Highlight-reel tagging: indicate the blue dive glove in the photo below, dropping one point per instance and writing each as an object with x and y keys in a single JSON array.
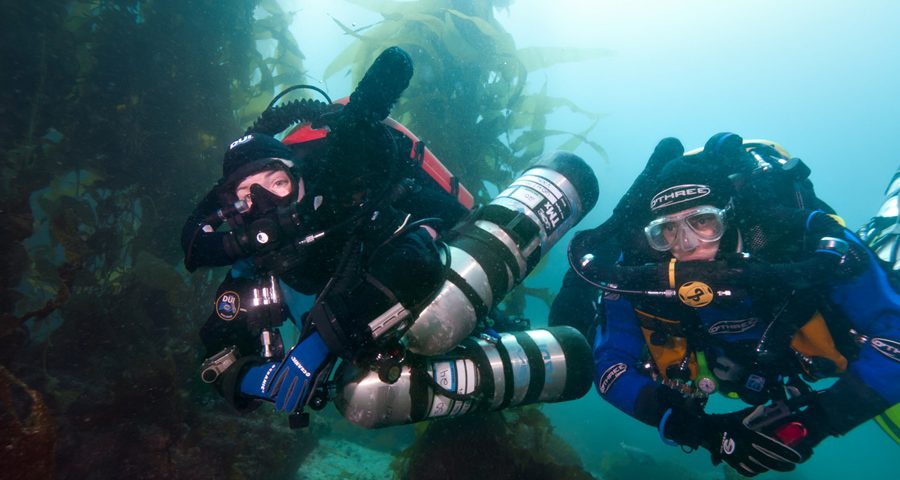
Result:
[{"x": 287, "y": 383}]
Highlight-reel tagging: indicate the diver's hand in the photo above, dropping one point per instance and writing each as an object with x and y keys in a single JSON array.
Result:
[
  {"x": 288, "y": 383},
  {"x": 259, "y": 236},
  {"x": 264, "y": 234},
  {"x": 747, "y": 451}
]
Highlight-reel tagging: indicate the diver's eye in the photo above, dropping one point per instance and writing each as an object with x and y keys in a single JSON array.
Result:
[{"x": 703, "y": 222}]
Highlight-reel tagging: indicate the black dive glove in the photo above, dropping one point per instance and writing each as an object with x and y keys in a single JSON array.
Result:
[
  {"x": 728, "y": 439},
  {"x": 790, "y": 440},
  {"x": 271, "y": 222},
  {"x": 748, "y": 451},
  {"x": 260, "y": 236}
]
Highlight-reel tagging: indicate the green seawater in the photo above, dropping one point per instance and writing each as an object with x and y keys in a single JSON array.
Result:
[
  {"x": 817, "y": 77},
  {"x": 116, "y": 114}
]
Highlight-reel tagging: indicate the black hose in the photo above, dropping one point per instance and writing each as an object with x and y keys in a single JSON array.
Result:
[
  {"x": 297, "y": 87},
  {"x": 277, "y": 119}
]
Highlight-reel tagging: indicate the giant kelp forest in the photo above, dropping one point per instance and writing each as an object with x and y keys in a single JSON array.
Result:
[{"x": 115, "y": 116}]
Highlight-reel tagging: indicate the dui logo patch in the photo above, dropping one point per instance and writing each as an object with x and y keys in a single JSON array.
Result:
[
  {"x": 228, "y": 305},
  {"x": 610, "y": 376},
  {"x": 695, "y": 294}
]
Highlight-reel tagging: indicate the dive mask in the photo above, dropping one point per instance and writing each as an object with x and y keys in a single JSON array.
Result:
[{"x": 688, "y": 228}]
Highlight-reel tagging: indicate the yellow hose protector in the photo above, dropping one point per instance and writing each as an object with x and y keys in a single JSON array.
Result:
[{"x": 672, "y": 273}]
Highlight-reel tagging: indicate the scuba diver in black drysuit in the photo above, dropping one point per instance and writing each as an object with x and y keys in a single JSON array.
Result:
[
  {"x": 349, "y": 250},
  {"x": 340, "y": 209},
  {"x": 721, "y": 271}
]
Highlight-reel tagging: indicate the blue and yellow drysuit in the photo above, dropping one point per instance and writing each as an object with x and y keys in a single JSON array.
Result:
[{"x": 859, "y": 303}]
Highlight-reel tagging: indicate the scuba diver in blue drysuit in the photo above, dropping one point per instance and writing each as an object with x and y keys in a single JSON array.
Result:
[{"x": 721, "y": 271}]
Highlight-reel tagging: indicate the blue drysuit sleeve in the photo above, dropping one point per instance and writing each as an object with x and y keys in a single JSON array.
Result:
[
  {"x": 617, "y": 353},
  {"x": 872, "y": 305}
]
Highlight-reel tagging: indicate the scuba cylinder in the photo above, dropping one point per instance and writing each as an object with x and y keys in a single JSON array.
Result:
[
  {"x": 487, "y": 373},
  {"x": 500, "y": 245},
  {"x": 882, "y": 233}
]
